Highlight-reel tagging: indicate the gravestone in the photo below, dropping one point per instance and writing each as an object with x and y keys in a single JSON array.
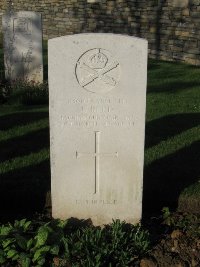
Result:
[
  {"x": 22, "y": 37},
  {"x": 97, "y": 119}
]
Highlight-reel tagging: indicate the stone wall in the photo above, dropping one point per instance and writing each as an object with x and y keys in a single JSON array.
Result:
[{"x": 172, "y": 27}]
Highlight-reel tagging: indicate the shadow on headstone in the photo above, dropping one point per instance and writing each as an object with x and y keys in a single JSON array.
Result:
[{"x": 75, "y": 223}]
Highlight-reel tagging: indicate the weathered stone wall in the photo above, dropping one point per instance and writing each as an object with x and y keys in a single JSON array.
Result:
[{"x": 172, "y": 27}]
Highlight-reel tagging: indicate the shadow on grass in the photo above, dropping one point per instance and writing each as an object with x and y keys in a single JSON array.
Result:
[
  {"x": 20, "y": 118},
  {"x": 24, "y": 145},
  {"x": 23, "y": 191},
  {"x": 171, "y": 76},
  {"x": 45, "y": 59},
  {"x": 172, "y": 86},
  {"x": 163, "y": 128},
  {"x": 167, "y": 177},
  {"x": 170, "y": 66}
]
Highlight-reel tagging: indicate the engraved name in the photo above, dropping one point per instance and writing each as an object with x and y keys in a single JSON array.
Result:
[
  {"x": 95, "y": 112},
  {"x": 97, "y": 101},
  {"x": 97, "y": 120}
]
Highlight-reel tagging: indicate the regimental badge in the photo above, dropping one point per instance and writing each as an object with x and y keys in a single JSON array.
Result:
[{"x": 97, "y": 71}]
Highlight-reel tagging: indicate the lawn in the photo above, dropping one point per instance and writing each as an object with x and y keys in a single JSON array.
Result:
[
  {"x": 172, "y": 150},
  {"x": 172, "y": 147}
]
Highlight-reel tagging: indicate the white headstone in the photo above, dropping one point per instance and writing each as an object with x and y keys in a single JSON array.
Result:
[
  {"x": 22, "y": 33},
  {"x": 97, "y": 120}
]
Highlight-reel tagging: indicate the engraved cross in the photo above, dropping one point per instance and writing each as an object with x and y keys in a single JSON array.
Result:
[{"x": 96, "y": 156}]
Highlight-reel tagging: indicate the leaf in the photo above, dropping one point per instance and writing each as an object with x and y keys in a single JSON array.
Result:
[
  {"x": 5, "y": 230},
  {"x": 12, "y": 253},
  {"x": 65, "y": 243},
  {"x": 29, "y": 244},
  {"x": 7, "y": 242},
  {"x": 25, "y": 260},
  {"x": 42, "y": 236},
  {"x": 54, "y": 250},
  {"x": 41, "y": 251},
  {"x": 2, "y": 259},
  {"x": 41, "y": 262},
  {"x": 166, "y": 212},
  {"x": 21, "y": 241},
  {"x": 22, "y": 222},
  {"x": 16, "y": 224},
  {"x": 15, "y": 257},
  {"x": 26, "y": 225},
  {"x": 62, "y": 223}
]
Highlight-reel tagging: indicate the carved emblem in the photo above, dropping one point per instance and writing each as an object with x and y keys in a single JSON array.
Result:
[{"x": 97, "y": 71}]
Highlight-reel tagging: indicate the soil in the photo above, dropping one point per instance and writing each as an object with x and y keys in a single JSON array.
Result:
[
  {"x": 178, "y": 251},
  {"x": 179, "y": 244}
]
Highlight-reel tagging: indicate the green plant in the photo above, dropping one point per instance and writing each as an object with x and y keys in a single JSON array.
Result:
[
  {"x": 49, "y": 241},
  {"x": 15, "y": 243},
  {"x": 166, "y": 215},
  {"x": 27, "y": 244},
  {"x": 117, "y": 244},
  {"x": 5, "y": 91},
  {"x": 84, "y": 247},
  {"x": 127, "y": 242},
  {"x": 20, "y": 244},
  {"x": 29, "y": 92},
  {"x": 186, "y": 222}
]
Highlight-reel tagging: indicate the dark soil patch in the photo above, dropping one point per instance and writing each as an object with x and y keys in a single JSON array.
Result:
[
  {"x": 176, "y": 250},
  {"x": 176, "y": 241}
]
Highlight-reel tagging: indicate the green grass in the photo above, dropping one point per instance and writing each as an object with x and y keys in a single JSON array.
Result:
[
  {"x": 24, "y": 159},
  {"x": 172, "y": 149}
]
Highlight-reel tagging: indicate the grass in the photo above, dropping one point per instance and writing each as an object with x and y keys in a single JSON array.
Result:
[
  {"x": 24, "y": 159},
  {"x": 172, "y": 149}
]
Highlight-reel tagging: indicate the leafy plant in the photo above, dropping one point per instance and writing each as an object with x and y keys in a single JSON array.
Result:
[
  {"x": 166, "y": 215},
  {"x": 15, "y": 243},
  {"x": 49, "y": 240},
  {"x": 24, "y": 92},
  {"x": 117, "y": 244},
  {"x": 186, "y": 222},
  {"x": 19, "y": 243},
  {"x": 30, "y": 92},
  {"x": 5, "y": 91},
  {"x": 26, "y": 244}
]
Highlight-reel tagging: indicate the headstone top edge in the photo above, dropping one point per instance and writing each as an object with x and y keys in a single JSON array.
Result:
[{"x": 91, "y": 35}]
